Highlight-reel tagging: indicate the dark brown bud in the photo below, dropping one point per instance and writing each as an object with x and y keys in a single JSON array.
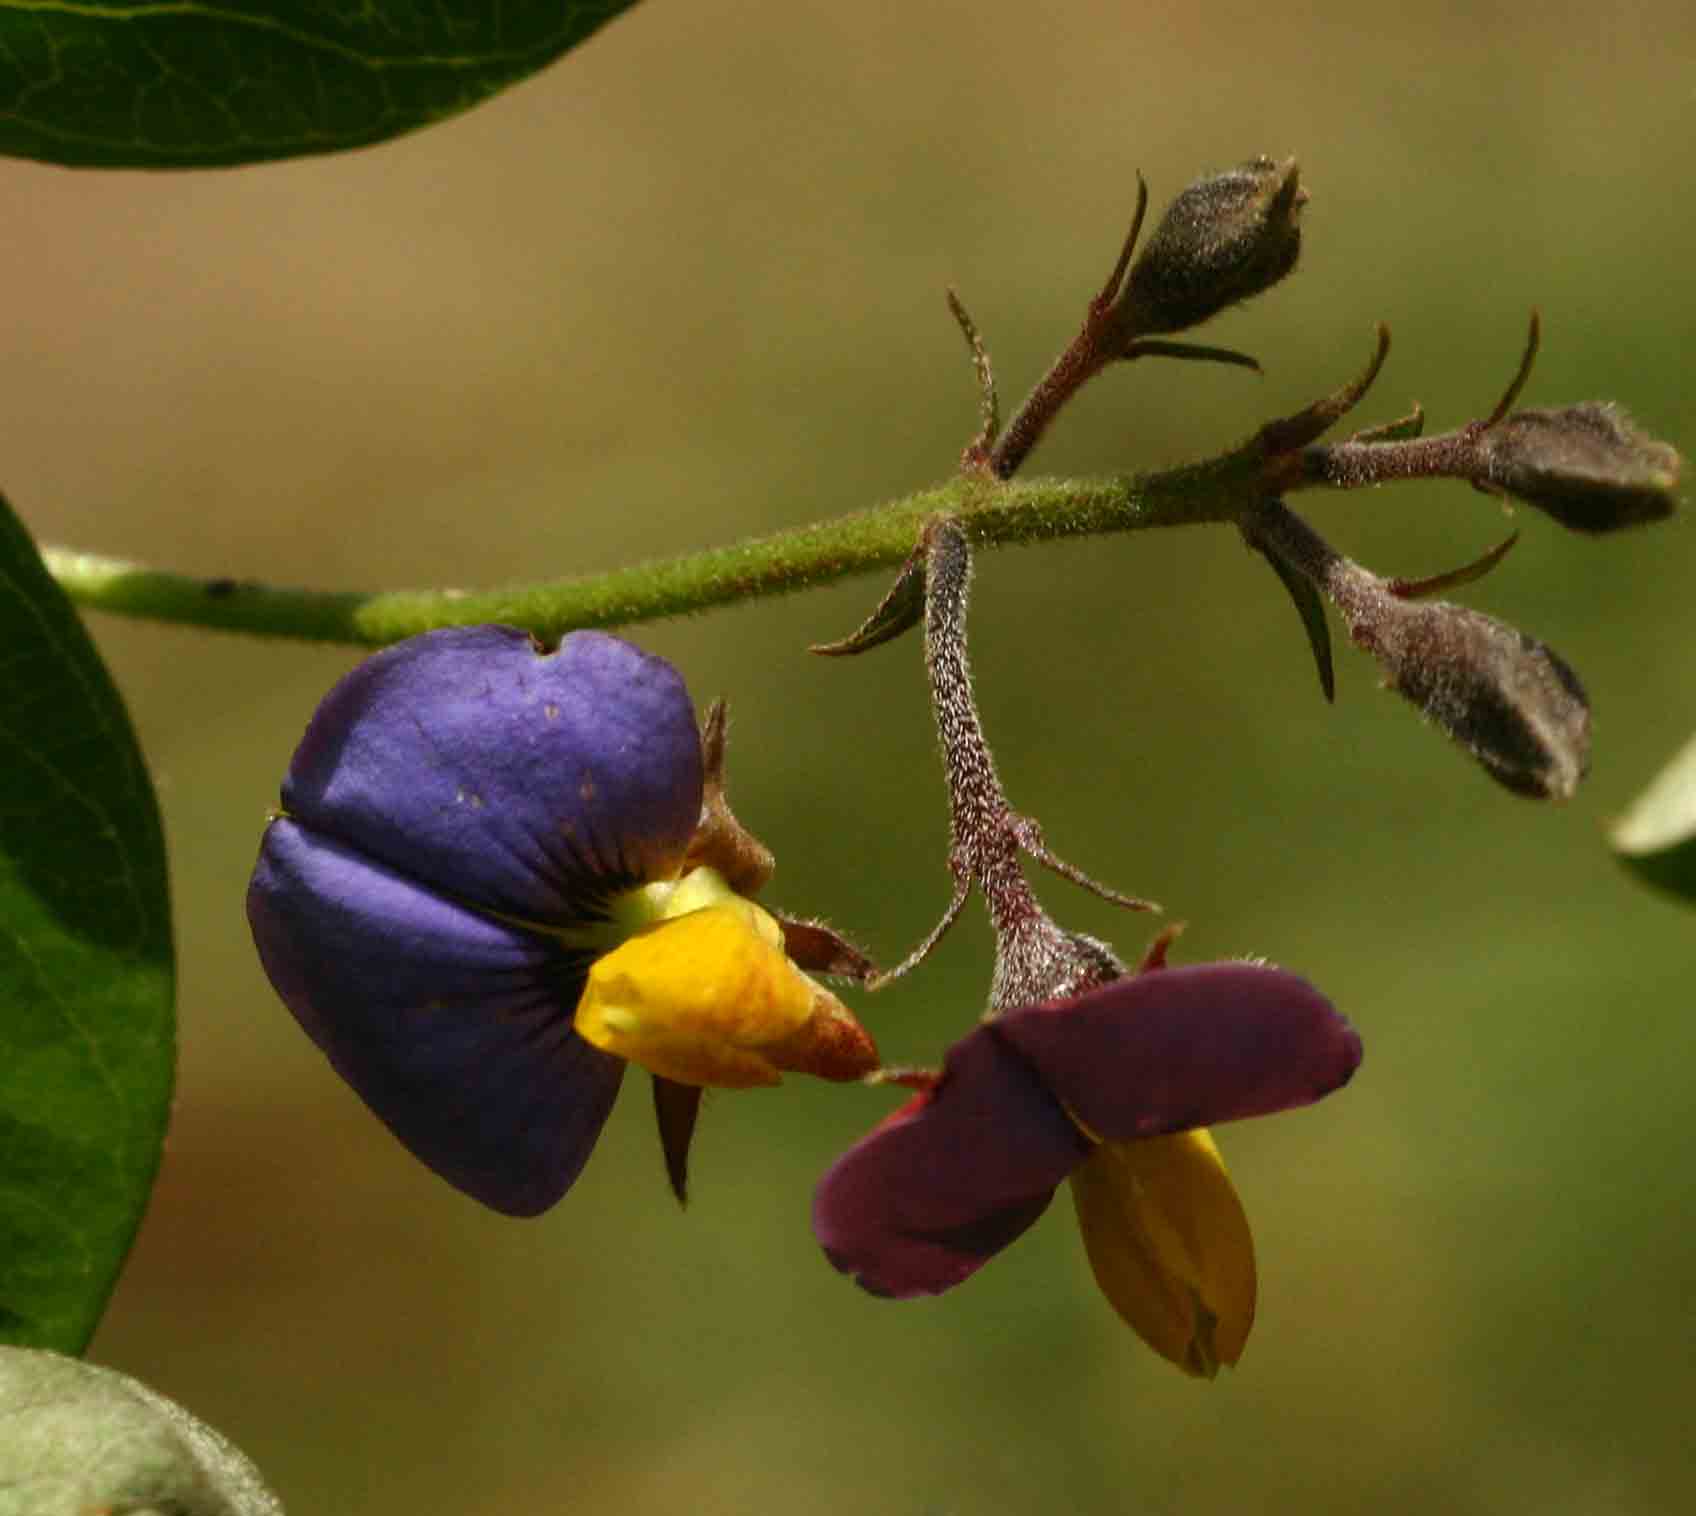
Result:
[
  {"x": 1586, "y": 465},
  {"x": 1224, "y": 239},
  {"x": 1505, "y": 697}
]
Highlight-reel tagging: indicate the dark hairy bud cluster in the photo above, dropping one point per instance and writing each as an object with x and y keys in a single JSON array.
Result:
[
  {"x": 1223, "y": 240},
  {"x": 1503, "y": 696}
]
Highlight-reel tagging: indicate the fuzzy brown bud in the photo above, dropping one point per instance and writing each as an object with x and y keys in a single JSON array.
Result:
[
  {"x": 1586, "y": 465},
  {"x": 1505, "y": 697},
  {"x": 1224, "y": 239}
]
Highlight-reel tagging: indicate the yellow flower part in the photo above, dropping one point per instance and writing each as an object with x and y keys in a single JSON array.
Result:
[
  {"x": 1170, "y": 1245},
  {"x": 711, "y": 998}
]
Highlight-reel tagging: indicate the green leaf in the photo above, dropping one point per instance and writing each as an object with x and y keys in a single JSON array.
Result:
[
  {"x": 179, "y": 84},
  {"x": 1656, "y": 837},
  {"x": 86, "y": 1036},
  {"x": 78, "y": 1437}
]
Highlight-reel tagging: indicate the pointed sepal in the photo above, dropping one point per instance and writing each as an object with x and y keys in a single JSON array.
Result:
[
  {"x": 721, "y": 842},
  {"x": 1311, "y": 608},
  {"x": 676, "y": 1108},
  {"x": 899, "y": 611},
  {"x": 820, "y": 949}
]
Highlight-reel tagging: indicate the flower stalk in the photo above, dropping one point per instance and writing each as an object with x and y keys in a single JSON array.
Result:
[
  {"x": 1035, "y": 959},
  {"x": 1223, "y": 240}
]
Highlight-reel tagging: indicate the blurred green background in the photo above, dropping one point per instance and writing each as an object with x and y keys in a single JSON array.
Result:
[{"x": 688, "y": 285}]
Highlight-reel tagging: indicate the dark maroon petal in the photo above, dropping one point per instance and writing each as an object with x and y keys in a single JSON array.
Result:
[
  {"x": 453, "y": 1027},
  {"x": 918, "y": 1204},
  {"x": 1178, "y": 1048},
  {"x": 526, "y": 782}
]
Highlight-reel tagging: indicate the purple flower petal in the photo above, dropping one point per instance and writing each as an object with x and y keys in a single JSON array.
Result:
[
  {"x": 1179, "y": 1048},
  {"x": 453, "y": 1027},
  {"x": 526, "y": 782},
  {"x": 922, "y": 1201}
]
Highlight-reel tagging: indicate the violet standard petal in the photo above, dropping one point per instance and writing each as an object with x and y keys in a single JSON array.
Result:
[
  {"x": 526, "y": 782},
  {"x": 923, "y": 1200},
  {"x": 1186, "y": 1047},
  {"x": 453, "y": 1027}
]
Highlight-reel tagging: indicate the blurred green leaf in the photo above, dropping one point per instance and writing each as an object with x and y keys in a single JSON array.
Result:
[
  {"x": 1656, "y": 837},
  {"x": 78, "y": 1438},
  {"x": 86, "y": 1037},
  {"x": 159, "y": 84}
]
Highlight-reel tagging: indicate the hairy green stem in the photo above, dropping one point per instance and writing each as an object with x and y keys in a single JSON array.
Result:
[{"x": 991, "y": 514}]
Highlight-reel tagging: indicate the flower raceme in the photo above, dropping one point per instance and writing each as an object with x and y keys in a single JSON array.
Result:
[{"x": 499, "y": 874}]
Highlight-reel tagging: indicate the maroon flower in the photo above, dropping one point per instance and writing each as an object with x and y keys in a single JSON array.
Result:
[{"x": 1094, "y": 1088}]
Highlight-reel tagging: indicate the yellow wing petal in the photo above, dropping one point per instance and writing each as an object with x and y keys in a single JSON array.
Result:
[
  {"x": 693, "y": 999},
  {"x": 1170, "y": 1246}
]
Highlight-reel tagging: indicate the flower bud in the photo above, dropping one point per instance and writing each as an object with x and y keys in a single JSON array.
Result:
[
  {"x": 1586, "y": 465},
  {"x": 1224, "y": 239},
  {"x": 1503, "y": 696}
]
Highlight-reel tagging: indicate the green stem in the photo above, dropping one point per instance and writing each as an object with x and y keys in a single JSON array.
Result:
[{"x": 992, "y": 514}]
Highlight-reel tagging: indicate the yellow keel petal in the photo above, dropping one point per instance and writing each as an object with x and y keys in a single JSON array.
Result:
[{"x": 1170, "y": 1246}]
